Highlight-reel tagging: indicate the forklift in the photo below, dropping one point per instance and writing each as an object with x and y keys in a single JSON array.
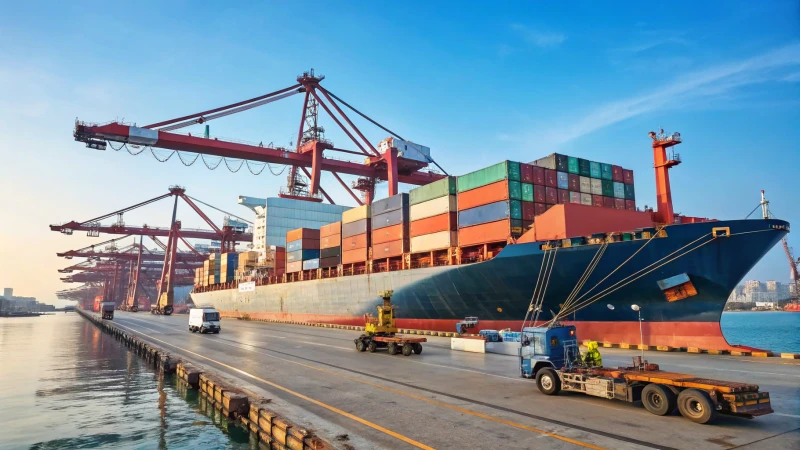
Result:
[{"x": 381, "y": 332}]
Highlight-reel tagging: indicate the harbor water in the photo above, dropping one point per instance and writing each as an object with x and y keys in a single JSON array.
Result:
[
  {"x": 67, "y": 385},
  {"x": 778, "y": 331}
]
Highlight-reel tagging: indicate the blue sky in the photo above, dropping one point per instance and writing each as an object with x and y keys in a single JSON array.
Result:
[{"x": 518, "y": 81}]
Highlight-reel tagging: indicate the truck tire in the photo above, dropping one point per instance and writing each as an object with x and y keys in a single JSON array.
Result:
[
  {"x": 417, "y": 348},
  {"x": 372, "y": 346},
  {"x": 191, "y": 329},
  {"x": 696, "y": 406},
  {"x": 407, "y": 349},
  {"x": 202, "y": 330},
  {"x": 392, "y": 348},
  {"x": 657, "y": 399},
  {"x": 548, "y": 382},
  {"x": 167, "y": 310},
  {"x": 360, "y": 345}
]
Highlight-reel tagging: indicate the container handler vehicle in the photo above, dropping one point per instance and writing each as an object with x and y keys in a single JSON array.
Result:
[
  {"x": 381, "y": 332},
  {"x": 551, "y": 355}
]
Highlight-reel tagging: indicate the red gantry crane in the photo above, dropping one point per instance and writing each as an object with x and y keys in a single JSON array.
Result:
[{"x": 382, "y": 164}]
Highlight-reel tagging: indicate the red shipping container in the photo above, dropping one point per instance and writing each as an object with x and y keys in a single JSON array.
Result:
[
  {"x": 355, "y": 256},
  {"x": 308, "y": 243},
  {"x": 597, "y": 200},
  {"x": 573, "y": 220},
  {"x": 547, "y": 207},
  {"x": 526, "y": 225},
  {"x": 551, "y": 195},
  {"x": 330, "y": 229},
  {"x": 627, "y": 176},
  {"x": 354, "y": 242},
  {"x": 528, "y": 211},
  {"x": 574, "y": 183},
  {"x": 563, "y": 196},
  {"x": 302, "y": 233},
  {"x": 483, "y": 195},
  {"x": 616, "y": 174},
  {"x": 608, "y": 202},
  {"x": 389, "y": 249},
  {"x": 630, "y": 204},
  {"x": 539, "y": 208},
  {"x": 331, "y": 241},
  {"x": 619, "y": 203},
  {"x": 388, "y": 234},
  {"x": 539, "y": 193},
  {"x": 550, "y": 178},
  {"x": 442, "y": 222},
  {"x": 526, "y": 173},
  {"x": 538, "y": 175},
  {"x": 484, "y": 233}
]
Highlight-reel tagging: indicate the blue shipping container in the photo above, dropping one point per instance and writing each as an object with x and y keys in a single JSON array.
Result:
[
  {"x": 302, "y": 255},
  {"x": 390, "y": 218},
  {"x": 294, "y": 245},
  {"x": 484, "y": 214},
  {"x": 311, "y": 264},
  {"x": 563, "y": 180}
]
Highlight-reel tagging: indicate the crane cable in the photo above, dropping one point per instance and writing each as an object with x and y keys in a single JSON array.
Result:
[
  {"x": 542, "y": 282},
  {"x": 582, "y": 280}
]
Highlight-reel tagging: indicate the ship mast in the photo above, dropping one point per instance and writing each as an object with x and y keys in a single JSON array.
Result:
[{"x": 664, "y": 214}]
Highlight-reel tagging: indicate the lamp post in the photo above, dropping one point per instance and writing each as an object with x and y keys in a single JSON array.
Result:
[{"x": 641, "y": 336}]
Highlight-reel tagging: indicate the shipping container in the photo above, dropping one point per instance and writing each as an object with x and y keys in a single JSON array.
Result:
[
  {"x": 572, "y": 165},
  {"x": 330, "y": 241},
  {"x": 393, "y": 203},
  {"x": 525, "y": 173},
  {"x": 527, "y": 192},
  {"x": 356, "y": 214},
  {"x": 574, "y": 183},
  {"x": 574, "y": 197},
  {"x": 354, "y": 228},
  {"x": 330, "y": 252},
  {"x": 302, "y": 233},
  {"x": 585, "y": 167},
  {"x": 629, "y": 193},
  {"x": 332, "y": 261},
  {"x": 597, "y": 200},
  {"x": 539, "y": 208},
  {"x": 608, "y": 202},
  {"x": 619, "y": 203},
  {"x": 433, "y": 207},
  {"x": 586, "y": 185},
  {"x": 330, "y": 229},
  {"x": 388, "y": 234},
  {"x": 563, "y": 196},
  {"x": 606, "y": 172},
  {"x": 390, "y": 249},
  {"x": 249, "y": 258},
  {"x": 616, "y": 174},
  {"x": 594, "y": 169},
  {"x": 355, "y": 256},
  {"x": 548, "y": 162},
  {"x": 630, "y": 204},
  {"x": 295, "y": 266},
  {"x": 506, "y": 170},
  {"x": 586, "y": 199},
  {"x": 562, "y": 179},
  {"x": 538, "y": 175},
  {"x": 551, "y": 196},
  {"x": 528, "y": 211},
  {"x": 597, "y": 186},
  {"x": 355, "y": 242},
  {"x": 497, "y": 231},
  {"x": 562, "y": 162},
  {"x": 627, "y": 176},
  {"x": 440, "y": 188},
  {"x": 487, "y": 213},
  {"x": 484, "y": 195},
  {"x": 406, "y": 149},
  {"x": 311, "y": 264},
  {"x": 619, "y": 190},
  {"x": 388, "y": 219},
  {"x": 302, "y": 243},
  {"x": 434, "y": 224},
  {"x": 434, "y": 241},
  {"x": 550, "y": 178},
  {"x": 565, "y": 221},
  {"x": 302, "y": 255},
  {"x": 608, "y": 188},
  {"x": 539, "y": 193}
]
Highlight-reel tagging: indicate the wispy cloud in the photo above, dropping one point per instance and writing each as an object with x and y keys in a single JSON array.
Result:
[
  {"x": 684, "y": 90},
  {"x": 538, "y": 37}
]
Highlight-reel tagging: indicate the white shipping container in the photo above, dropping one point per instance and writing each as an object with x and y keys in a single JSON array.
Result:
[
  {"x": 586, "y": 185},
  {"x": 406, "y": 149},
  {"x": 433, "y": 207},
  {"x": 597, "y": 186},
  {"x": 586, "y": 199},
  {"x": 434, "y": 241},
  {"x": 356, "y": 214}
]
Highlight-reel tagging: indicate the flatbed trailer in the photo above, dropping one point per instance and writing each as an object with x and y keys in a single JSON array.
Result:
[{"x": 393, "y": 343}]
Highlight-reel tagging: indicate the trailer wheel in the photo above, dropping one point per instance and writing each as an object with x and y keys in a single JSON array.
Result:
[
  {"x": 407, "y": 349},
  {"x": 417, "y": 347},
  {"x": 168, "y": 310},
  {"x": 372, "y": 346},
  {"x": 360, "y": 345},
  {"x": 548, "y": 382},
  {"x": 658, "y": 400},
  {"x": 696, "y": 406},
  {"x": 392, "y": 348}
]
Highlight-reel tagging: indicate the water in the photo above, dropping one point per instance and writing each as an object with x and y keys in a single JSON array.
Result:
[
  {"x": 777, "y": 331},
  {"x": 64, "y": 384}
]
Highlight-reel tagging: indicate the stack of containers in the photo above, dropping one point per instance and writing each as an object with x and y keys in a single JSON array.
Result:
[
  {"x": 199, "y": 279},
  {"x": 228, "y": 263},
  {"x": 247, "y": 262},
  {"x": 490, "y": 204},
  {"x": 330, "y": 245},
  {"x": 208, "y": 272},
  {"x": 278, "y": 255},
  {"x": 389, "y": 225},
  {"x": 433, "y": 216},
  {"x": 586, "y": 182},
  {"x": 355, "y": 235},
  {"x": 302, "y": 249}
]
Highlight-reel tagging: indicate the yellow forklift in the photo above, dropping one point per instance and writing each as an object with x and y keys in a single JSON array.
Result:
[{"x": 381, "y": 332}]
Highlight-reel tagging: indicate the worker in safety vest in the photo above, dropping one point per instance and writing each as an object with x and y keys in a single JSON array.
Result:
[{"x": 592, "y": 358}]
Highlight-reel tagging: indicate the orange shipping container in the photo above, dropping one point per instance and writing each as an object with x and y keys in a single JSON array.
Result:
[
  {"x": 490, "y": 193},
  {"x": 388, "y": 234},
  {"x": 334, "y": 240},
  {"x": 354, "y": 256},
  {"x": 354, "y": 242},
  {"x": 435, "y": 224},
  {"x": 302, "y": 233},
  {"x": 294, "y": 266},
  {"x": 481, "y": 234},
  {"x": 389, "y": 249},
  {"x": 330, "y": 229},
  {"x": 574, "y": 220}
]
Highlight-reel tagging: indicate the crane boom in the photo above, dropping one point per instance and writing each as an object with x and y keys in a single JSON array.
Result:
[{"x": 794, "y": 273}]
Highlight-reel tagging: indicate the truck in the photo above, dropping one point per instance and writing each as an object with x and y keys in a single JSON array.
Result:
[
  {"x": 381, "y": 332},
  {"x": 107, "y": 310},
  {"x": 204, "y": 320},
  {"x": 551, "y": 356}
]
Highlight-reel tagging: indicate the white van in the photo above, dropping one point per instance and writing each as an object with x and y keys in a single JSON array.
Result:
[{"x": 204, "y": 320}]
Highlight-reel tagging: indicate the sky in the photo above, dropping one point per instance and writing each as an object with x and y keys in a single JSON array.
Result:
[{"x": 514, "y": 80}]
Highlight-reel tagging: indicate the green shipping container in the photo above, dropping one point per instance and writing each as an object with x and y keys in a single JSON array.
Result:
[
  {"x": 608, "y": 188},
  {"x": 584, "y": 167},
  {"x": 594, "y": 170},
  {"x": 605, "y": 171},
  {"x": 430, "y": 191},
  {"x": 629, "y": 194},
  {"x": 488, "y": 175},
  {"x": 516, "y": 209},
  {"x": 515, "y": 190},
  {"x": 527, "y": 192},
  {"x": 572, "y": 165}
]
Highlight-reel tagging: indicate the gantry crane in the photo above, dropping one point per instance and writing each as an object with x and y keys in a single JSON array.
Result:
[
  {"x": 794, "y": 271},
  {"x": 308, "y": 152}
]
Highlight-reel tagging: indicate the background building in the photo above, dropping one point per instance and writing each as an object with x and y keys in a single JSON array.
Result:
[{"x": 753, "y": 292}]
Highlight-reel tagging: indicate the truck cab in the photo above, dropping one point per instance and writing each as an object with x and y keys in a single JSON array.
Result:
[
  {"x": 544, "y": 347},
  {"x": 107, "y": 310},
  {"x": 204, "y": 320}
]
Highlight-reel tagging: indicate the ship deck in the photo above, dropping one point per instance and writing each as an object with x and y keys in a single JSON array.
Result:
[{"x": 448, "y": 399}]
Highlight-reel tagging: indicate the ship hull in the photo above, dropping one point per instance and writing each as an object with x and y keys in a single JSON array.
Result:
[{"x": 499, "y": 291}]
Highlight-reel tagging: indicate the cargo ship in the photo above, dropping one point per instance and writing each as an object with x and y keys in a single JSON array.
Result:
[{"x": 584, "y": 257}]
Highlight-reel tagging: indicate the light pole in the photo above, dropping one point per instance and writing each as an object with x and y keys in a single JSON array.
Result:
[{"x": 641, "y": 336}]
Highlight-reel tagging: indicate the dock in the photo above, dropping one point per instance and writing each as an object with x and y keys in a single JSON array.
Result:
[{"x": 450, "y": 399}]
